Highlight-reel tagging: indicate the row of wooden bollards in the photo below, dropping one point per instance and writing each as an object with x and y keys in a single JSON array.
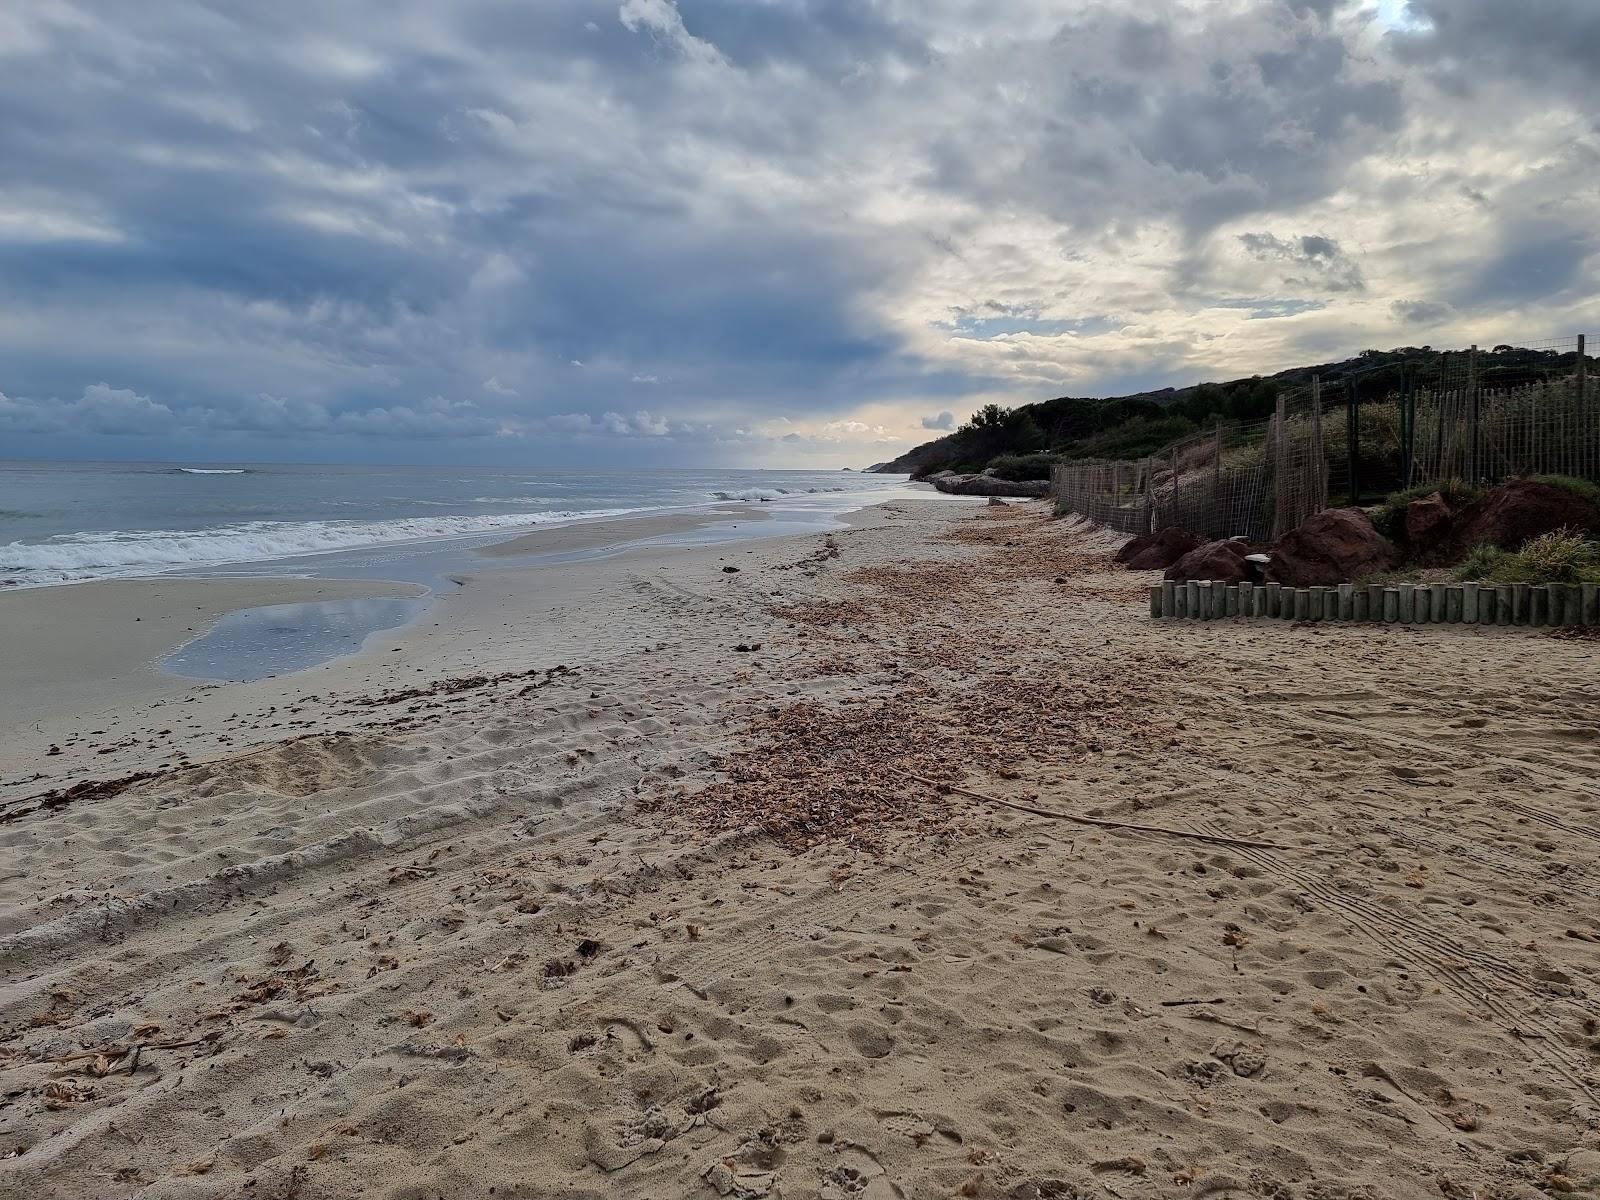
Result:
[{"x": 1411, "y": 604}]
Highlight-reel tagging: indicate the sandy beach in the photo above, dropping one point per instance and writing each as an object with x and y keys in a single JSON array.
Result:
[{"x": 908, "y": 860}]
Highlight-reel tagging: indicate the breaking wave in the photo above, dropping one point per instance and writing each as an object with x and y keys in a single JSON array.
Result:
[
  {"x": 209, "y": 471},
  {"x": 773, "y": 493},
  {"x": 104, "y": 553}
]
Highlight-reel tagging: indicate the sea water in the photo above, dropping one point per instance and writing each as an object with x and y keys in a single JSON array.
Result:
[{"x": 75, "y": 522}]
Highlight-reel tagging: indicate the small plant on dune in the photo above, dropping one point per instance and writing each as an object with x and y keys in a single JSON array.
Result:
[
  {"x": 1560, "y": 556},
  {"x": 1482, "y": 563}
]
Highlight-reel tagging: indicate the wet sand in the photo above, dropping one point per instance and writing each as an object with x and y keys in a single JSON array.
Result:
[{"x": 601, "y": 535}]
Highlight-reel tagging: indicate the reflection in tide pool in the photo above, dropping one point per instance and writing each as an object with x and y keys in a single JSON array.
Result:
[{"x": 254, "y": 643}]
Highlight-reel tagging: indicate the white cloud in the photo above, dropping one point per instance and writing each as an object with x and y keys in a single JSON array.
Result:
[
  {"x": 101, "y": 409},
  {"x": 662, "y": 19}
]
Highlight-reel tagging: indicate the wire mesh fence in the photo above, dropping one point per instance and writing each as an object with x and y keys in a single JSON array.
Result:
[
  {"x": 1250, "y": 480},
  {"x": 1520, "y": 409}
]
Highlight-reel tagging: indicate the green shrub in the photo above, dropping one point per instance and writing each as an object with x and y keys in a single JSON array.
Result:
[
  {"x": 1483, "y": 563},
  {"x": 1561, "y": 556},
  {"x": 1132, "y": 439},
  {"x": 1581, "y": 488},
  {"x": 1023, "y": 466}
]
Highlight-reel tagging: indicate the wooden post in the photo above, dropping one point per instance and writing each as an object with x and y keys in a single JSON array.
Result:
[
  {"x": 1440, "y": 474},
  {"x": 1319, "y": 473},
  {"x": 1472, "y": 415},
  {"x": 1280, "y": 503},
  {"x": 1561, "y": 604},
  {"x": 1352, "y": 441},
  {"x": 1216, "y": 482},
  {"x": 1488, "y": 597},
  {"x": 1177, "y": 517},
  {"x": 1586, "y": 424},
  {"x": 1149, "y": 494},
  {"x": 1408, "y": 425}
]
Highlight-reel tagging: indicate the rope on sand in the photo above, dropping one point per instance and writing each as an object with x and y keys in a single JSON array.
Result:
[{"x": 1217, "y": 839}]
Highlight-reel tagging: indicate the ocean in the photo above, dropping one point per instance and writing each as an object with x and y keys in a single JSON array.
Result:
[{"x": 68, "y": 522}]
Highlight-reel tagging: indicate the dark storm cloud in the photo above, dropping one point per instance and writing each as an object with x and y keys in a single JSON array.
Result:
[{"x": 1550, "y": 44}]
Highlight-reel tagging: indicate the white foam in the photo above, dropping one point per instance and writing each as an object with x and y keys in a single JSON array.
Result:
[
  {"x": 211, "y": 471},
  {"x": 100, "y": 554},
  {"x": 773, "y": 493}
]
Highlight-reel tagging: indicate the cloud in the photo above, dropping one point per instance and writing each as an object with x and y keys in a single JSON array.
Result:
[
  {"x": 407, "y": 230},
  {"x": 1421, "y": 312},
  {"x": 945, "y": 420},
  {"x": 662, "y": 19},
  {"x": 1311, "y": 260},
  {"x": 101, "y": 409}
]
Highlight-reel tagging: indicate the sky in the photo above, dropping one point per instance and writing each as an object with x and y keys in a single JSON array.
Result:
[{"x": 805, "y": 233}]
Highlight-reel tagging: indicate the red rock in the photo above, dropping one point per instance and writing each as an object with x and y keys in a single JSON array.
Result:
[
  {"x": 1215, "y": 560},
  {"x": 1159, "y": 550},
  {"x": 1427, "y": 521},
  {"x": 1511, "y": 515},
  {"x": 1336, "y": 545}
]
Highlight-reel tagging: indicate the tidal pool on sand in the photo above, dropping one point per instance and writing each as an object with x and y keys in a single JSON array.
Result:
[{"x": 253, "y": 643}]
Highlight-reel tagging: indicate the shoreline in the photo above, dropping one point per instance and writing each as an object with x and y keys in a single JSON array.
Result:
[
  {"x": 89, "y": 678},
  {"x": 605, "y": 533}
]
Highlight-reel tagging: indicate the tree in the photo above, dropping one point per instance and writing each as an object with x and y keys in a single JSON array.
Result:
[{"x": 990, "y": 416}]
